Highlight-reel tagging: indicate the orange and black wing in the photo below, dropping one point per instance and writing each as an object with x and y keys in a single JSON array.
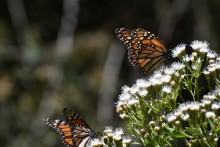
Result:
[
  {"x": 81, "y": 131},
  {"x": 63, "y": 128},
  {"x": 130, "y": 40},
  {"x": 146, "y": 52},
  {"x": 74, "y": 118},
  {"x": 74, "y": 131}
]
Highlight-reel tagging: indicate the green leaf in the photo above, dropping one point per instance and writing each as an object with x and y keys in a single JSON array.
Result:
[
  {"x": 136, "y": 143},
  {"x": 217, "y": 130},
  {"x": 180, "y": 134},
  {"x": 189, "y": 130}
]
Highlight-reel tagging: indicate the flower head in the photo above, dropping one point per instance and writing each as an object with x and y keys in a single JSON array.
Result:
[
  {"x": 125, "y": 89},
  {"x": 178, "y": 66},
  {"x": 216, "y": 106},
  {"x": 194, "y": 106},
  {"x": 166, "y": 79},
  {"x": 95, "y": 142},
  {"x": 143, "y": 93},
  {"x": 108, "y": 129},
  {"x": 126, "y": 140},
  {"x": 183, "y": 107},
  {"x": 155, "y": 81},
  {"x": 185, "y": 117},
  {"x": 210, "y": 114},
  {"x": 211, "y": 54},
  {"x": 197, "y": 45},
  {"x": 133, "y": 102},
  {"x": 178, "y": 50},
  {"x": 171, "y": 117},
  {"x": 119, "y": 132},
  {"x": 141, "y": 83},
  {"x": 124, "y": 97},
  {"x": 167, "y": 89}
]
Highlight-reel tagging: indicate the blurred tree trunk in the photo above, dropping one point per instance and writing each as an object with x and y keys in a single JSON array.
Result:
[
  {"x": 109, "y": 81},
  {"x": 203, "y": 27},
  {"x": 67, "y": 29},
  {"x": 64, "y": 46},
  {"x": 19, "y": 20}
]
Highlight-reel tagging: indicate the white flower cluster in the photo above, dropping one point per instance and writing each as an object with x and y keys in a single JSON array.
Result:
[
  {"x": 178, "y": 50},
  {"x": 208, "y": 105},
  {"x": 96, "y": 142},
  {"x": 111, "y": 136},
  {"x": 214, "y": 64},
  {"x": 158, "y": 94},
  {"x": 165, "y": 77},
  {"x": 201, "y": 47}
]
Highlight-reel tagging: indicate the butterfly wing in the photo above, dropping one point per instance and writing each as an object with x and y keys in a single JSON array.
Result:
[
  {"x": 82, "y": 133},
  {"x": 74, "y": 118},
  {"x": 63, "y": 128},
  {"x": 146, "y": 51},
  {"x": 152, "y": 52},
  {"x": 130, "y": 40}
]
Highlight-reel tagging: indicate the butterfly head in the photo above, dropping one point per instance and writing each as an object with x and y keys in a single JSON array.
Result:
[{"x": 94, "y": 134}]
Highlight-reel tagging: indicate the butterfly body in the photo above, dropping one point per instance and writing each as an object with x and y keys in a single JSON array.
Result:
[
  {"x": 74, "y": 131},
  {"x": 146, "y": 51}
]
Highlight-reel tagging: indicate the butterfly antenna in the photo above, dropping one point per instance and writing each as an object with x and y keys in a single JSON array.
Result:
[
  {"x": 100, "y": 123},
  {"x": 99, "y": 133}
]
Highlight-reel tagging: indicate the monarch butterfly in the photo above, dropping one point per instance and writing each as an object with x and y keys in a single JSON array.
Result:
[
  {"x": 146, "y": 51},
  {"x": 74, "y": 131}
]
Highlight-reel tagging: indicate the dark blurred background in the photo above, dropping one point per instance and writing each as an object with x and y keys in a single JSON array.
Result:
[{"x": 64, "y": 53}]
